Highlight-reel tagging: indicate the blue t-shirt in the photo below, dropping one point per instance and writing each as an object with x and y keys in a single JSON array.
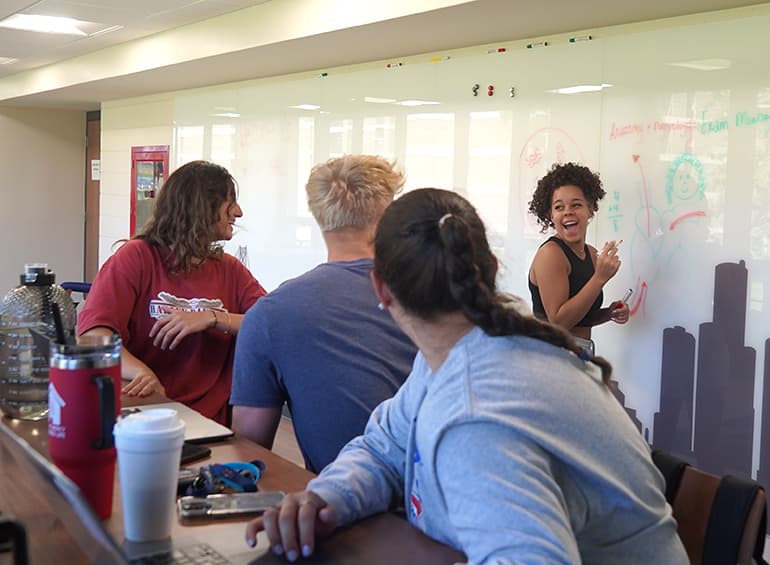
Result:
[{"x": 319, "y": 343}]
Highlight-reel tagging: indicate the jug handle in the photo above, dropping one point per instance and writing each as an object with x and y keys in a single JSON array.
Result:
[{"x": 106, "y": 411}]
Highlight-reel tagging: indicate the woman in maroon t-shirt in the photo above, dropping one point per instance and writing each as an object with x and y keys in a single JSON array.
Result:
[{"x": 174, "y": 296}]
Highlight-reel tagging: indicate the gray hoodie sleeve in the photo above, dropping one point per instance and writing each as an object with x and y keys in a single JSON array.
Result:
[{"x": 501, "y": 499}]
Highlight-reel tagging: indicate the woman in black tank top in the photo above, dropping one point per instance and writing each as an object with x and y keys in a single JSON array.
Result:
[{"x": 567, "y": 275}]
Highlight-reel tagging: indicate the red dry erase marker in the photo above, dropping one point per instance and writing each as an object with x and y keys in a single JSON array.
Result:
[{"x": 620, "y": 303}]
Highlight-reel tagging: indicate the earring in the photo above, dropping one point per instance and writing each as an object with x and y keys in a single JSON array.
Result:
[{"x": 381, "y": 306}]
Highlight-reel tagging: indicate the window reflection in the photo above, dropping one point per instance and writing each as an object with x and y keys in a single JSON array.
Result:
[
  {"x": 430, "y": 152},
  {"x": 379, "y": 136},
  {"x": 489, "y": 166},
  {"x": 189, "y": 144},
  {"x": 340, "y": 138},
  {"x": 223, "y": 145}
]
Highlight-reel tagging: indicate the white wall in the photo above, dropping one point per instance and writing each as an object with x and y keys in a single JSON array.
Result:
[
  {"x": 125, "y": 124},
  {"x": 42, "y": 186}
]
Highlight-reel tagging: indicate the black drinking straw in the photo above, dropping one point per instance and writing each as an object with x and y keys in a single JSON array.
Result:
[{"x": 60, "y": 337}]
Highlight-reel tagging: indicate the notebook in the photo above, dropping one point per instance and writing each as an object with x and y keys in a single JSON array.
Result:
[
  {"x": 74, "y": 512},
  {"x": 198, "y": 428}
]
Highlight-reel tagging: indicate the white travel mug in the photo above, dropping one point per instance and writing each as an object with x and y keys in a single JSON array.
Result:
[{"x": 149, "y": 445}]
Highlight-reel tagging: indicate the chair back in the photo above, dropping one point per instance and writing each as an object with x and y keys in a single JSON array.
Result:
[
  {"x": 721, "y": 520},
  {"x": 82, "y": 287}
]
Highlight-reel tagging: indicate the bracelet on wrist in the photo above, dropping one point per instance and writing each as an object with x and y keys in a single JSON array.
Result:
[
  {"x": 224, "y": 328},
  {"x": 229, "y": 323}
]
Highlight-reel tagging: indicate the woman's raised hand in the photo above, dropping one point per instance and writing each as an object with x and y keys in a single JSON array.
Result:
[{"x": 608, "y": 261}]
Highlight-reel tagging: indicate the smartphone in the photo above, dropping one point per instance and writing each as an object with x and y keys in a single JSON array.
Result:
[
  {"x": 192, "y": 452},
  {"x": 227, "y": 505}
]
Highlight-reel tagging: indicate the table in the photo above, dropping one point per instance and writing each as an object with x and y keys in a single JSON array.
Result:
[{"x": 381, "y": 539}]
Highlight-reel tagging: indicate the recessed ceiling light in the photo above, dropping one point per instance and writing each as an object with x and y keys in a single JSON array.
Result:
[
  {"x": 305, "y": 107},
  {"x": 704, "y": 64},
  {"x": 105, "y": 30},
  {"x": 580, "y": 88},
  {"x": 417, "y": 102},
  {"x": 43, "y": 24},
  {"x": 7, "y": 60},
  {"x": 375, "y": 100}
]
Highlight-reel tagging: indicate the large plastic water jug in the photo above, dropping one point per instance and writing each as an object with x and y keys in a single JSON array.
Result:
[{"x": 27, "y": 325}]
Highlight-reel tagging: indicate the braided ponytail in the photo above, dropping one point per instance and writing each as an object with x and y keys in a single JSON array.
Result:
[{"x": 432, "y": 251}]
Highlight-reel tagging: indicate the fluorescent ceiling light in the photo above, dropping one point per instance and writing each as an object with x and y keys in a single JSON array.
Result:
[
  {"x": 305, "y": 107},
  {"x": 704, "y": 64},
  {"x": 105, "y": 30},
  {"x": 417, "y": 102},
  {"x": 226, "y": 115},
  {"x": 7, "y": 60},
  {"x": 375, "y": 100},
  {"x": 43, "y": 24},
  {"x": 580, "y": 88}
]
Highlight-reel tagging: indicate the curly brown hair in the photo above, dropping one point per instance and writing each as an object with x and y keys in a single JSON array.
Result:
[
  {"x": 562, "y": 175},
  {"x": 186, "y": 213}
]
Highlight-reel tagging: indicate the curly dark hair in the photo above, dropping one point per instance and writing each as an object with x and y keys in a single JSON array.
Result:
[
  {"x": 432, "y": 251},
  {"x": 562, "y": 175},
  {"x": 186, "y": 212}
]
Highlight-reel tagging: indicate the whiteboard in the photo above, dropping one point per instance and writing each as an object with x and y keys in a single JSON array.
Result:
[{"x": 680, "y": 133}]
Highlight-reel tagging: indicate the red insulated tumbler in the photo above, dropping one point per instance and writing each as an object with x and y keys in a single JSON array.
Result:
[{"x": 83, "y": 403}]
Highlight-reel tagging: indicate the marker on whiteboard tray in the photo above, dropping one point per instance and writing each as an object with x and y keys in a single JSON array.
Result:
[
  {"x": 438, "y": 59},
  {"x": 394, "y": 65},
  {"x": 580, "y": 38},
  {"x": 497, "y": 50},
  {"x": 537, "y": 44}
]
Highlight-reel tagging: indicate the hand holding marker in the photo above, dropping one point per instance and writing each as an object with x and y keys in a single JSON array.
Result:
[
  {"x": 619, "y": 312},
  {"x": 620, "y": 303},
  {"x": 624, "y": 302}
]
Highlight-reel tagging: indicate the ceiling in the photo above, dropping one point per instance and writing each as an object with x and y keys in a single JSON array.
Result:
[
  {"x": 343, "y": 37},
  {"x": 139, "y": 18}
]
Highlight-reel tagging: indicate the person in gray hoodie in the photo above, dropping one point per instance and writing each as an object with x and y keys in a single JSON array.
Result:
[{"x": 505, "y": 442}]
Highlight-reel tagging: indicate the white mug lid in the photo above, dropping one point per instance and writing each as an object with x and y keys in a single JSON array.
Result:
[{"x": 150, "y": 421}]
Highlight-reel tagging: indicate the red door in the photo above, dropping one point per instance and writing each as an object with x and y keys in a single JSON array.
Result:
[{"x": 149, "y": 168}]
